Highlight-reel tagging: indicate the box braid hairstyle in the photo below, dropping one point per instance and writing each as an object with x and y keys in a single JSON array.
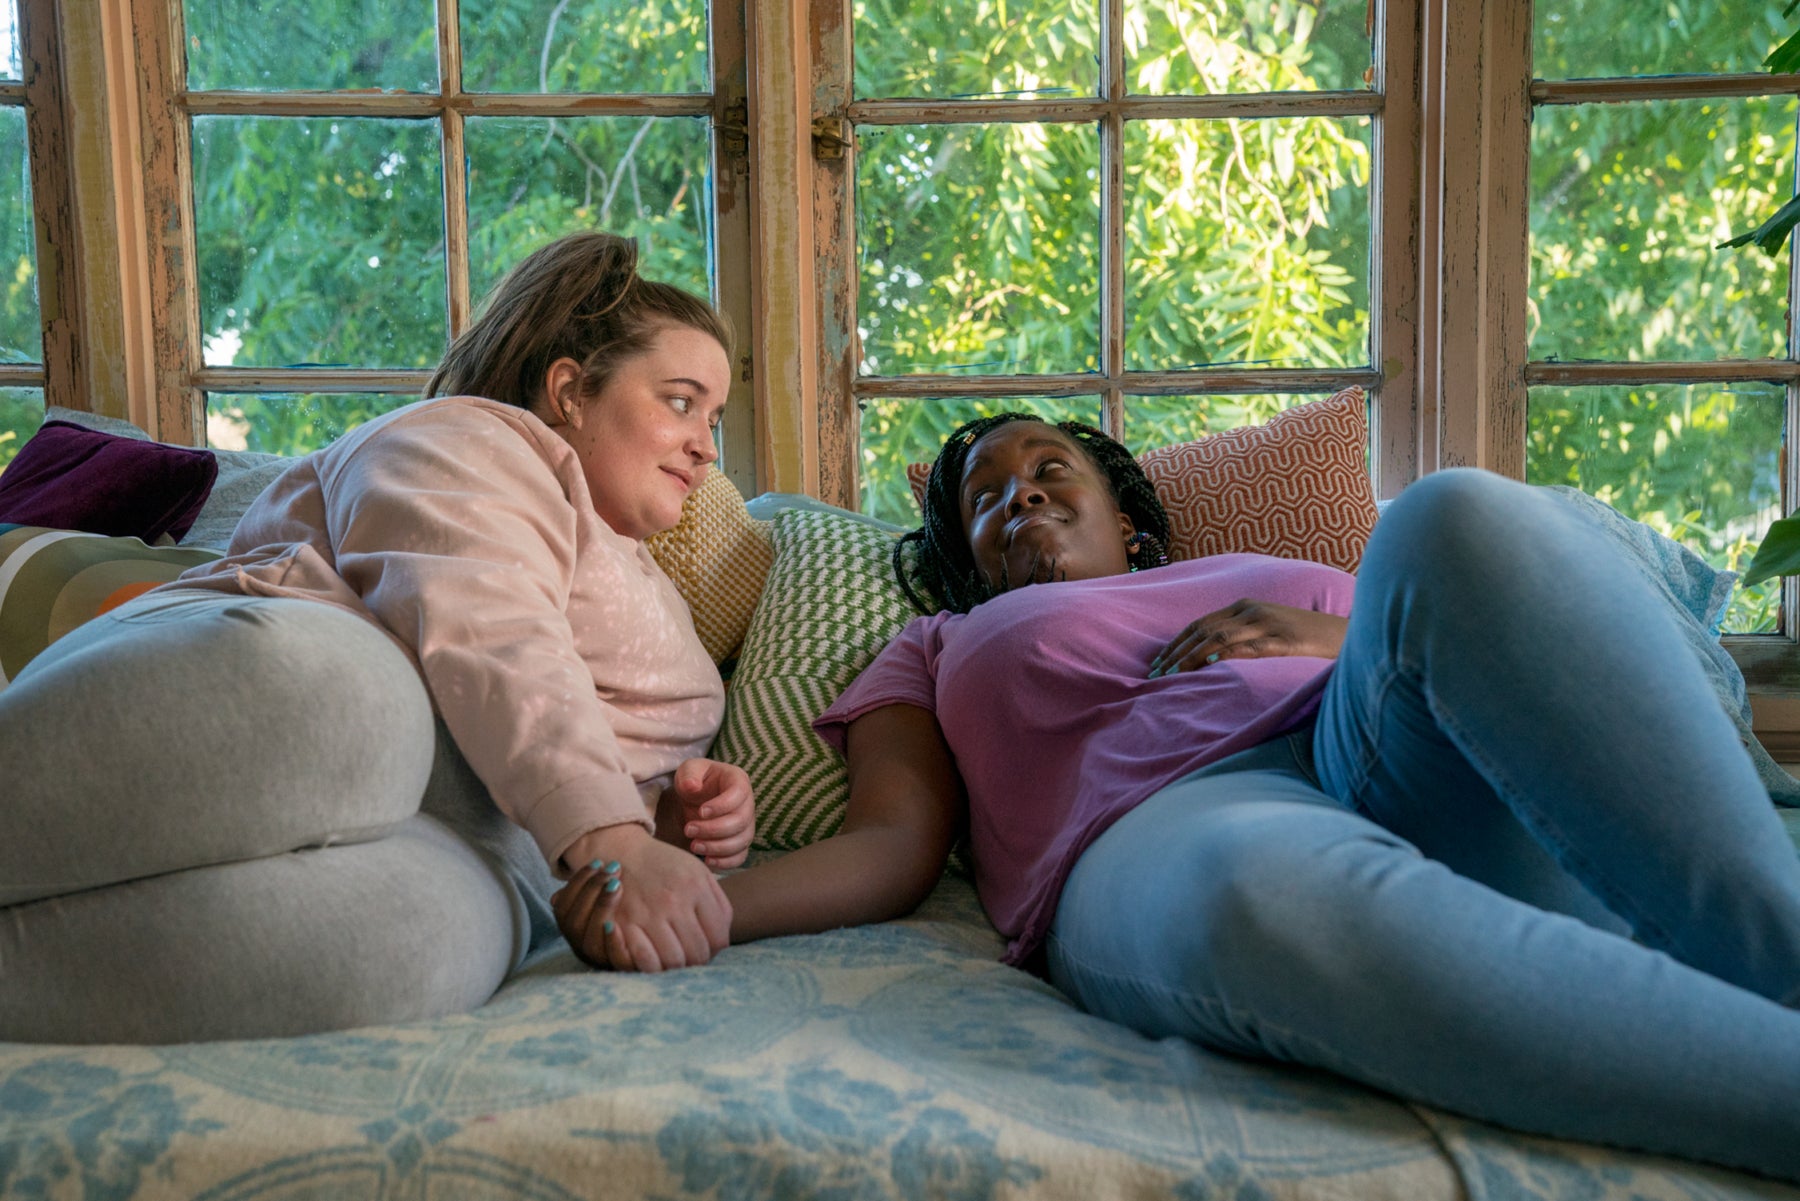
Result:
[{"x": 943, "y": 565}]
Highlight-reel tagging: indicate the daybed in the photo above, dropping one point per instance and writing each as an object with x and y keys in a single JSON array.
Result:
[{"x": 898, "y": 1060}]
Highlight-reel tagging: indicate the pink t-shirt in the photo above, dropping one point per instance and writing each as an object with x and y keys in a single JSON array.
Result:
[{"x": 1044, "y": 700}]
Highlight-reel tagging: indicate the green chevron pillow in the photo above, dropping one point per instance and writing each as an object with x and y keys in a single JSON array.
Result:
[{"x": 828, "y": 607}]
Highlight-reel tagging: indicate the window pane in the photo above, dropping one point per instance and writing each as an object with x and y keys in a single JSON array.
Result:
[
  {"x": 896, "y": 432},
  {"x": 979, "y": 248},
  {"x": 321, "y": 241},
  {"x": 976, "y": 48},
  {"x": 1627, "y": 204},
  {"x": 21, "y": 335},
  {"x": 1699, "y": 463},
  {"x": 1597, "y": 39},
  {"x": 1208, "y": 46},
  {"x": 21, "y": 412},
  {"x": 1247, "y": 241},
  {"x": 290, "y": 423},
  {"x": 322, "y": 46},
  {"x": 9, "y": 41},
  {"x": 1153, "y": 421},
  {"x": 533, "y": 180},
  {"x": 587, "y": 46}
]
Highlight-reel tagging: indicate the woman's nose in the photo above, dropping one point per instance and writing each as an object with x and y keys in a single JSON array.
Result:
[
  {"x": 1023, "y": 494},
  {"x": 704, "y": 447}
]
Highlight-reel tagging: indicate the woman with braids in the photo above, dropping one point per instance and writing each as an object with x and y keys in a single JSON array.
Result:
[
  {"x": 327, "y": 781},
  {"x": 1490, "y": 844}
]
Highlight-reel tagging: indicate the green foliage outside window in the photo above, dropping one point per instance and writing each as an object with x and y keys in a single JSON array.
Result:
[
  {"x": 322, "y": 239},
  {"x": 1245, "y": 241},
  {"x": 1627, "y": 204}
]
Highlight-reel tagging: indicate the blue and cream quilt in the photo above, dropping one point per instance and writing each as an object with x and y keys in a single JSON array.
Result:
[{"x": 896, "y": 1061}]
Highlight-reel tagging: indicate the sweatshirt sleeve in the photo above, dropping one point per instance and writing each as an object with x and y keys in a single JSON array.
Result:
[{"x": 457, "y": 528}]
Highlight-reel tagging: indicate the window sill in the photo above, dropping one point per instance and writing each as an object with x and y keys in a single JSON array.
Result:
[{"x": 1771, "y": 668}]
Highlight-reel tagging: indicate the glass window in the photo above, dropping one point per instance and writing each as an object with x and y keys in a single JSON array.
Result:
[
  {"x": 21, "y": 412},
  {"x": 351, "y": 211},
  {"x": 1635, "y": 180},
  {"x": 1197, "y": 218}
]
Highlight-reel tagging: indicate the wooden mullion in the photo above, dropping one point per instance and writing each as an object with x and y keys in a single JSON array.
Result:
[
  {"x": 1507, "y": 238},
  {"x": 164, "y": 141},
  {"x": 834, "y": 246},
  {"x": 308, "y": 379},
  {"x": 58, "y": 245},
  {"x": 1664, "y": 87},
  {"x": 1112, "y": 214},
  {"x": 422, "y": 105},
  {"x": 1716, "y": 371},
  {"x": 1394, "y": 280},
  {"x": 21, "y": 375},
  {"x": 734, "y": 260},
  {"x": 1136, "y": 108},
  {"x": 1212, "y": 381},
  {"x": 455, "y": 166}
]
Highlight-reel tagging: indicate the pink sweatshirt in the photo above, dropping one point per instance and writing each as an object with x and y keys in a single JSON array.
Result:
[
  {"x": 559, "y": 655},
  {"x": 1044, "y": 698}
]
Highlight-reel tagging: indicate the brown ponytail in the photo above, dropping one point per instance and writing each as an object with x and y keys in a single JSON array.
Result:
[{"x": 580, "y": 298}]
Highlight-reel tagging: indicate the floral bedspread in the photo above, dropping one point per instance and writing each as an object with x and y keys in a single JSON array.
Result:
[{"x": 896, "y": 1061}]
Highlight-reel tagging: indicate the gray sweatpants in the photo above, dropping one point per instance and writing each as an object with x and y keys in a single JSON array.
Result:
[{"x": 231, "y": 817}]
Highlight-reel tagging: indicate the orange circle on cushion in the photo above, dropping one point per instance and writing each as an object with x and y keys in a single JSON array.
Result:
[{"x": 129, "y": 592}]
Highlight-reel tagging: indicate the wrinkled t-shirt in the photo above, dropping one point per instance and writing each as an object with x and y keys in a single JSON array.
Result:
[{"x": 1044, "y": 698}]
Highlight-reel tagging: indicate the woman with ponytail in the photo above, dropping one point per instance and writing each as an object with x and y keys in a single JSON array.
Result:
[{"x": 332, "y": 779}]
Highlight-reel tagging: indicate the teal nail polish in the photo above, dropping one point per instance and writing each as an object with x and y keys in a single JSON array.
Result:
[
  {"x": 1213, "y": 658},
  {"x": 607, "y": 927},
  {"x": 612, "y": 869},
  {"x": 611, "y": 886},
  {"x": 594, "y": 866}
]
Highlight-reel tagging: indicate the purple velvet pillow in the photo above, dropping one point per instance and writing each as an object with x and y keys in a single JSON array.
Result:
[{"x": 73, "y": 478}]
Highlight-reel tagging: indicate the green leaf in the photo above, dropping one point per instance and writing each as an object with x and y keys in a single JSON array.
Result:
[
  {"x": 1779, "y": 553},
  {"x": 1785, "y": 57},
  {"x": 1772, "y": 234}
]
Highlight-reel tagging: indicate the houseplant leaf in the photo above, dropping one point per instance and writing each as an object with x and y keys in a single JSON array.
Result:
[
  {"x": 1785, "y": 57},
  {"x": 1772, "y": 234},
  {"x": 1779, "y": 553}
]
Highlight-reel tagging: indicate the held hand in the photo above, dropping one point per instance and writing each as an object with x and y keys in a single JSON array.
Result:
[
  {"x": 1251, "y": 630},
  {"x": 659, "y": 909},
  {"x": 709, "y": 809}
]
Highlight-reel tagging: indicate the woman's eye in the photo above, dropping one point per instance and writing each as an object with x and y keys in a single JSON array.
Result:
[
  {"x": 1047, "y": 464},
  {"x": 681, "y": 404}
]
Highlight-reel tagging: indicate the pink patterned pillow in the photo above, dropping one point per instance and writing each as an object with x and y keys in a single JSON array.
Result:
[{"x": 1296, "y": 487}]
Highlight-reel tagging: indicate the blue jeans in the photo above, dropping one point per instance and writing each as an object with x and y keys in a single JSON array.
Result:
[{"x": 1520, "y": 868}]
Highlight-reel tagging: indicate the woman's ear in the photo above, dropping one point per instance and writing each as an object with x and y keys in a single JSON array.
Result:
[
  {"x": 1126, "y": 526},
  {"x": 562, "y": 393}
]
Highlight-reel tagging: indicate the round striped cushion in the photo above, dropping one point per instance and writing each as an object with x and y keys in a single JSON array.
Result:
[{"x": 53, "y": 580}]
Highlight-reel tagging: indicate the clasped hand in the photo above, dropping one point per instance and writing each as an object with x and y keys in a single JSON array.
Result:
[
  {"x": 1251, "y": 630},
  {"x": 644, "y": 903}
]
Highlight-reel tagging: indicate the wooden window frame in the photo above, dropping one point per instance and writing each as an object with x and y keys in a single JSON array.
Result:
[
  {"x": 1474, "y": 367},
  {"x": 139, "y": 80},
  {"x": 836, "y": 113}
]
